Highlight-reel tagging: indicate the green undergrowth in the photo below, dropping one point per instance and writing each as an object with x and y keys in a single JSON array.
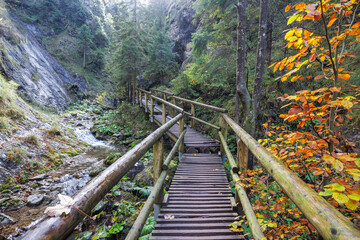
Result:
[
  {"x": 113, "y": 216},
  {"x": 9, "y": 110},
  {"x": 126, "y": 125}
]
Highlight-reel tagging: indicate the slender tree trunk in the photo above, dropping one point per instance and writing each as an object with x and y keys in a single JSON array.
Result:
[
  {"x": 84, "y": 58},
  {"x": 242, "y": 93},
  {"x": 260, "y": 62},
  {"x": 269, "y": 42},
  {"x": 134, "y": 74}
]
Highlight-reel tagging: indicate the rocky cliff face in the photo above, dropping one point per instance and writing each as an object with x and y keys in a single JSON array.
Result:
[
  {"x": 40, "y": 76},
  {"x": 181, "y": 16}
]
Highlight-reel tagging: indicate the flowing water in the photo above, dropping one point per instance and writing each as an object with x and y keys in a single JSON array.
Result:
[{"x": 67, "y": 179}]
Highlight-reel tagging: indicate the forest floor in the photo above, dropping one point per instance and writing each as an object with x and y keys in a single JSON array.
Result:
[{"x": 46, "y": 154}]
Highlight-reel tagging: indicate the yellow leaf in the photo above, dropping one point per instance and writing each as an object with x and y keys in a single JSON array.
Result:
[
  {"x": 292, "y": 19},
  {"x": 289, "y": 34},
  {"x": 339, "y": 166},
  {"x": 336, "y": 186},
  {"x": 340, "y": 198},
  {"x": 351, "y": 204},
  {"x": 347, "y": 104},
  {"x": 328, "y": 159}
]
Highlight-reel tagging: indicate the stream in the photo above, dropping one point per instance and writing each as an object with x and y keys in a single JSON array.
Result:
[{"x": 66, "y": 179}]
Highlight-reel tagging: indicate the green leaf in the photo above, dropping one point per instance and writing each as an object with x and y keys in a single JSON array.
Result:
[
  {"x": 336, "y": 186},
  {"x": 118, "y": 227},
  {"x": 326, "y": 193},
  {"x": 87, "y": 235},
  {"x": 354, "y": 196}
]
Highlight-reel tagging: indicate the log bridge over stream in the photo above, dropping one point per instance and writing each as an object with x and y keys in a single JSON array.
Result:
[{"x": 199, "y": 203}]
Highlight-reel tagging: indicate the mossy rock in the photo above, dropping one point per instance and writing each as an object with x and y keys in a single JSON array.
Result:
[
  {"x": 145, "y": 178},
  {"x": 112, "y": 158},
  {"x": 96, "y": 171}
]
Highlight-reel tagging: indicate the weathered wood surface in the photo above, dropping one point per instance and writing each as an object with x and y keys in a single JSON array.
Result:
[
  {"x": 194, "y": 141},
  {"x": 199, "y": 202}
]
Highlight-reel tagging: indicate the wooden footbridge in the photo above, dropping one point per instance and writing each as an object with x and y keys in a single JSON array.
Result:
[{"x": 199, "y": 203}]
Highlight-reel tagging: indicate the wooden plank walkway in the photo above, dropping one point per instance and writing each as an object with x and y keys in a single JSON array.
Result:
[
  {"x": 199, "y": 203},
  {"x": 193, "y": 140}
]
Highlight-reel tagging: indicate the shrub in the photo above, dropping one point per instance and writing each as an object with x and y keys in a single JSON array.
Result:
[
  {"x": 17, "y": 155},
  {"x": 32, "y": 139}
]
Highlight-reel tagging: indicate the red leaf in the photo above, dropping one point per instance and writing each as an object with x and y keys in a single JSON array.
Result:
[{"x": 319, "y": 77}]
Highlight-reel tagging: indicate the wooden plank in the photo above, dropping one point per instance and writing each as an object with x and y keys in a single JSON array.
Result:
[
  {"x": 192, "y": 233},
  {"x": 229, "y": 237}
]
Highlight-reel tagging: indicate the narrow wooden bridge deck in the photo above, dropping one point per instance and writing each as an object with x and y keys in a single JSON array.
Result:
[
  {"x": 199, "y": 203},
  {"x": 193, "y": 140}
]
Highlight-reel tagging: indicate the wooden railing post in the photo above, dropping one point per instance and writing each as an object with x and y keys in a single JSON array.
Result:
[
  {"x": 192, "y": 121},
  {"x": 140, "y": 98},
  {"x": 181, "y": 129},
  {"x": 146, "y": 102},
  {"x": 137, "y": 95},
  {"x": 152, "y": 109},
  {"x": 223, "y": 129},
  {"x": 173, "y": 110},
  {"x": 158, "y": 149},
  {"x": 163, "y": 114},
  {"x": 165, "y": 98},
  {"x": 242, "y": 156}
]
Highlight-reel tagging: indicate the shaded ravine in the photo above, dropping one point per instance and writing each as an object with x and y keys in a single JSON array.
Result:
[{"x": 66, "y": 179}]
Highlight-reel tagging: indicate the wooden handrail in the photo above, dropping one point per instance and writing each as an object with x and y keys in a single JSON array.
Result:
[
  {"x": 87, "y": 198},
  {"x": 179, "y": 109},
  {"x": 137, "y": 227},
  {"x": 162, "y": 91},
  {"x": 210, "y": 107},
  {"x": 329, "y": 222}
]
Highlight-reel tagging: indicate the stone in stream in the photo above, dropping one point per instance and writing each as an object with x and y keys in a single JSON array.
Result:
[
  {"x": 5, "y": 220},
  {"x": 38, "y": 177},
  {"x": 35, "y": 200}
]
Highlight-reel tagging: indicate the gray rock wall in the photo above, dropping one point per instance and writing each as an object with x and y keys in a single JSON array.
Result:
[
  {"x": 181, "y": 17},
  {"x": 40, "y": 76}
]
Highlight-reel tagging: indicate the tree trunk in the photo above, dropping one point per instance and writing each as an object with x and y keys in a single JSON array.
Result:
[
  {"x": 242, "y": 93},
  {"x": 134, "y": 67},
  {"x": 269, "y": 42},
  {"x": 260, "y": 62},
  {"x": 84, "y": 58}
]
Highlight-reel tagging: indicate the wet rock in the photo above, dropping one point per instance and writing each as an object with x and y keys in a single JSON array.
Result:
[
  {"x": 5, "y": 220},
  {"x": 38, "y": 177},
  {"x": 35, "y": 200},
  {"x": 112, "y": 158},
  {"x": 138, "y": 167},
  {"x": 96, "y": 171},
  {"x": 34, "y": 211},
  {"x": 3, "y": 157}
]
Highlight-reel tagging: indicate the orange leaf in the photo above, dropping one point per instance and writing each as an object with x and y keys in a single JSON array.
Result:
[
  {"x": 312, "y": 57},
  {"x": 356, "y": 25},
  {"x": 331, "y": 22},
  {"x": 288, "y": 7},
  {"x": 344, "y": 77}
]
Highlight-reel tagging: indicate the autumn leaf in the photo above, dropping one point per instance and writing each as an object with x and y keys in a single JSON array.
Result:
[
  {"x": 351, "y": 204},
  {"x": 288, "y": 7},
  {"x": 340, "y": 197}
]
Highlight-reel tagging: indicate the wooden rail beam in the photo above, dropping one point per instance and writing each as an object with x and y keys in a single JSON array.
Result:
[
  {"x": 179, "y": 109},
  {"x": 87, "y": 198},
  {"x": 329, "y": 222},
  {"x": 217, "y": 109}
]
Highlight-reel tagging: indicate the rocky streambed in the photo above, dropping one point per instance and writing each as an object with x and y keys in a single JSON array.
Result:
[{"x": 26, "y": 203}]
